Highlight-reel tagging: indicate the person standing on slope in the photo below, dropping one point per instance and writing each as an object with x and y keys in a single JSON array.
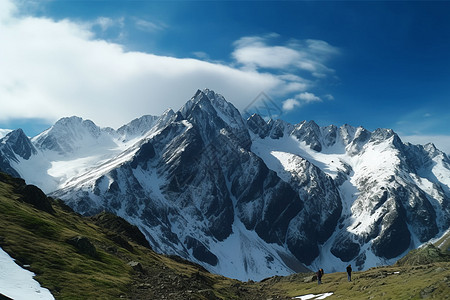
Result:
[
  {"x": 319, "y": 276},
  {"x": 349, "y": 272}
]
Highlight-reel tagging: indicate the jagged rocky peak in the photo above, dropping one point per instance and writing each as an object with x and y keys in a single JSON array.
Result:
[
  {"x": 360, "y": 137},
  {"x": 258, "y": 126},
  {"x": 417, "y": 157},
  {"x": 199, "y": 100},
  {"x": 226, "y": 110},
  {"x": 274, "y": 129},
  {"x": 383, "y": 134},
  {"x": 137, "y": 127},
  {"x": 278, "y": 128},
  {"x": 211, "y": 114},
  {"x": 347, "y": 133},
  {"x": 428, "y": 150},
  {"x": 330, "y": 134},
  {"x": 167, "y": 115},
  {"x": 17, "y": 143},
  {"x": 432, "y": 151},
  {"x": 310, "y": 133},
  {"x": 214, "y": 104}
]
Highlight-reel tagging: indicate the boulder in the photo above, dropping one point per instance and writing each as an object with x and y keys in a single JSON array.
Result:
[
  {"x": 34, "y": 196},
  {"x": 83, "y": 245},
  {"x": 137, "y": 266}
]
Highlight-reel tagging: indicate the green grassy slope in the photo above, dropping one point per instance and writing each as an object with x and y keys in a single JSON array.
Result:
[
  {"x": 411, "y": 282},
  {"x": 422, "y": 273},
  {"x": 115, "y": 262},
  {"x": 120, "y": 267}
]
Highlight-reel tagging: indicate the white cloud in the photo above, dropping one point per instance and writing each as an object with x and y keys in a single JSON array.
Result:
[
  {"x": 50, "y": 69},
  {"x": 299, "y": 100},
  {"x": 290, "y": 104},
  {"x": 260, "y": 55},
  {"x": 308, "y": 97},
  {"x": 7, "y": 9},
  {"x": 307, "y": 55},
  {"x": 321, "y": 49},
  {"x": 106, "y": 23}
]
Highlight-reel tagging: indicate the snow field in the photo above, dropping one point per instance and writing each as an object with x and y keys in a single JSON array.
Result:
[{"x": 18, "y": 283}]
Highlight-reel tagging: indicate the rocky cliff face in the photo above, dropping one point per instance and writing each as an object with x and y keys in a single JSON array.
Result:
[
  {"x": 249, "y": 198},
  {"x": 394, "y": 196},
  {"x": 15, "y": 146}
]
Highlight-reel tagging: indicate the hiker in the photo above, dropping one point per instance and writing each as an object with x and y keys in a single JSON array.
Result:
[
  {"x": 319, "y": 276},
  {"x": 349, "y": 272}
]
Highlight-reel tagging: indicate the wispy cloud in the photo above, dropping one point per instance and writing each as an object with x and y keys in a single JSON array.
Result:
[
  {"x": 300, "y": 100},
  {"x": 148, "y": 26},
  {"x": 329, "y": 97},
  {"x": 106, "y": 23},
  {"x": 50, "y": 69},
  {"x": 301, "y": 63},
  {"x": 201, "y": 55},
  {"x": 309, "y": 55}
]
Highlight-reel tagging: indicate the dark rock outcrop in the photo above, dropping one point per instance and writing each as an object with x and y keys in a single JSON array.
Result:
[
  {"x": 120, "y": 226},
  {"x": 83, "y": 245}
]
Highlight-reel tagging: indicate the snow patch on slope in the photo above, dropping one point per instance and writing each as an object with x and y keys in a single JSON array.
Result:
[
  {"x": 4, "y": 132},
  {"x": 244, "y": 247},
  {"x": 18, "y": 283}
]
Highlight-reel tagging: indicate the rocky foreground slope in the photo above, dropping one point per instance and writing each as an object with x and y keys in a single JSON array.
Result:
[{"x": 104, "y": 257}]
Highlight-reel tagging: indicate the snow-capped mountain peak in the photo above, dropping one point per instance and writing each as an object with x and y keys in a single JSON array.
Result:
[
  {"x": 246, "y": 199},
  {"x": 70, "y": 135}
]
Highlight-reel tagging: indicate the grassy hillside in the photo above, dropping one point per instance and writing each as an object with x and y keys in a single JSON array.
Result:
[
  {"x": 412, "y": 282},
  {"x": 104, "y": 257},
  {"x": 75, "y": 258},
  {"x": 422, "y": 273}
]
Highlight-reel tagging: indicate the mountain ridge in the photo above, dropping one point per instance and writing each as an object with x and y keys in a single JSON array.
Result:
[{"x": 203, "y": 180}]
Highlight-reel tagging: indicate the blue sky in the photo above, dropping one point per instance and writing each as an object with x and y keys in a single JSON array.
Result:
[{"x": 365, "y": 63}]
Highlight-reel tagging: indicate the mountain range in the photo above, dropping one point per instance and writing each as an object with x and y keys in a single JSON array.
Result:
[{"x": 245, "y": 198}]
